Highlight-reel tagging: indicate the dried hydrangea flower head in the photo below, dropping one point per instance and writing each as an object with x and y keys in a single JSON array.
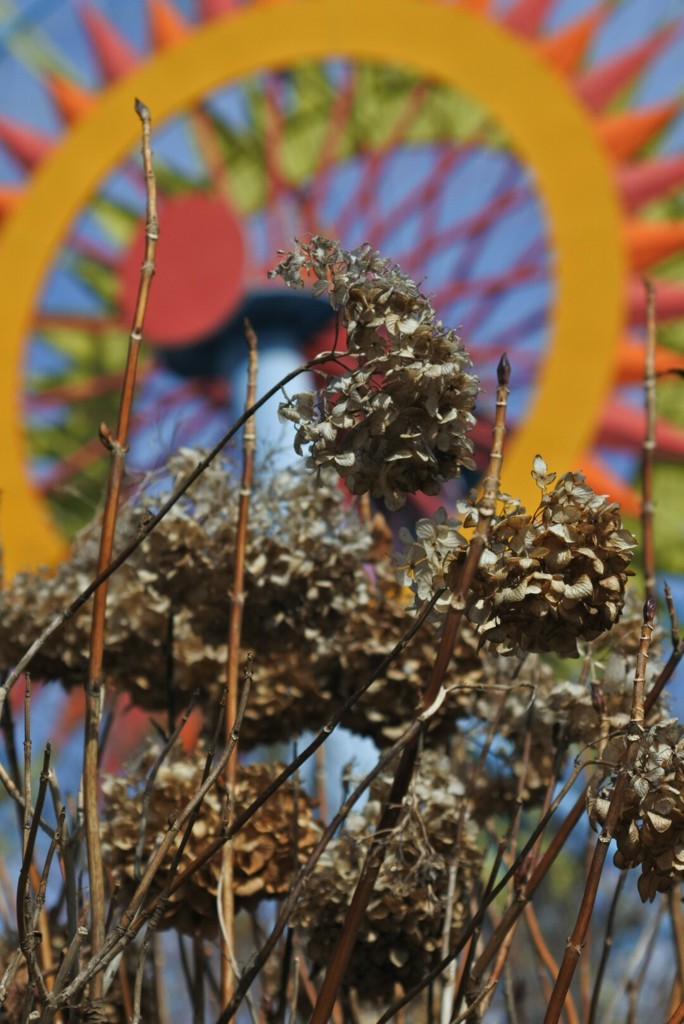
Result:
[
  {"x": 545, "y": 716},
  {"x": 545, "y": 581},
  {"x": 401, "y": 937},
  {"x": 304, "y": 572},
  {"x": 264, "y": 854},
  {"x": 388, "y": 707},
  {"x": 107, "y": 1010},
  {"x": 650, "y": 830},
  {"x": 394, "y": 420}
]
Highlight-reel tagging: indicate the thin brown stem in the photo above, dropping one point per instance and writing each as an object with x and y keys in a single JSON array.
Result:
[
  {"x": 254, "y": 967},
  {"x": 649, "y": 444},
  {"x": 190, "y": 820},
  {"x": 675, "y": 995},
  {"x": 512, "y": 840},
  {"x": 666, "y": 673},
  {"x": 677, "y": 918},
  {"x": 127, "y": 930},
  {"x": 149, "y": 784},
  {"x": 575, "y": 943},
  {"x": 294, "y": 994},
  {"x": 18, "y": 798},
  {"x": 635, "y": 979},
  {"x": 17, "y": 785},
  {"x": 677, "y": 1017},
  {"x": 430, "y": 700},
  {"x": 149, "y": 525},
  {"x": 27, "y": 770},
  {"x": 117, "y": 446},
  {"x": 448, "y": 980},
  {"x": 237, "y": 606},
  {"x": 308, "y": 751},
  {"x": 13, "y": 963},
  {"x": 41, "y": 922},
  {"x": 65, "y": 969},
  {"x": 160, "y": 981},
  {"x": 6, "y": 898},
  {"x": 66, "y": 853},
  {"x": 321, "y": 787},
  {"x": 606, "y": 949},
  {"x": 476, "y": 922},
  {"x": 473, "y": 1008},
  {"x": 512, "y": 998},
  {"x": 546, "y": 957},
  {"x": 15, "y": 776},
  {"x": 27, "y": 937},
  {"x": 138, "y": 984},
  {"x": 131, "y": 919},
  {"x": 638, "y": 694},
  {"x": 30, "y": 821},
  {"x": 672, "y": 612},
  {"x": 514, "y": 911}
]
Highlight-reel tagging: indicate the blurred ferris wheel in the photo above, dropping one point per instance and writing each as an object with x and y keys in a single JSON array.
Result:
[{"x": 505, "y": 154}]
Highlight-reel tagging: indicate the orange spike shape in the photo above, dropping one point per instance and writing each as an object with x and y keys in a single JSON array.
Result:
[
  {"x": 479, "y": 6},
  {"x": 650, "y": 179},
  {"x": 10, "y": 197},
  {"x": 526, "y": 17},
  {"x": 669, "y": 301},
  {"x": 69, "y": 716},
  {"x": 214, "y": 8},
  {"x": 650, "y": 241},
  {"x": 114, "y": 53},
  {"x": 565, "y": 50},
  {"x": 130, "y": 728},
  {"x": 71, "y": 100},
  {"x": 604, "y": 481},
  {"x": 166, "y": 24},
  {"x": 624, "y": 426},
  {"x": 631, "y": 360},
  {"x": 599, "y": 85},
  {"x": 625, "y": 133},
  {"x": 194, "y": 728},
  {"x": 28, "y": 146}
]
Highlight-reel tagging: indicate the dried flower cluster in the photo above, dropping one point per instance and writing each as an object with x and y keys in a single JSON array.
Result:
[
  {"x": 394, "y": 420},
  {"x": 650, "y": 831},
  {"x": 388, "y": 707},
  {"x": 542, "y": 715},
  {"x": 401, "y": 937},
  {"x": 109, "y": 1009},
  {"x": 15, "y": 989},
  {"x": 168, "y": 606},
  {"x": 546, "y": 580},
  {"x": 323, "y": 609},
  {"x": 266, "y": 851}
]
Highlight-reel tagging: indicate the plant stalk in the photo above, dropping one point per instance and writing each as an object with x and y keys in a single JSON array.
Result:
[
  {"x": 117, "y": 447},
  {"x": 431, "y": 700},
  {"x": 237, "y": 606}
]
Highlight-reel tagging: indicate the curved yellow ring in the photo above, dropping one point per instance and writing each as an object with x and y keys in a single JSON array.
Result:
[{"x": 544, "y": 122}]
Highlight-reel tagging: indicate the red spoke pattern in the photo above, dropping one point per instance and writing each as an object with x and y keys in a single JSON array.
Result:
[{"x": 427, "y": 223}]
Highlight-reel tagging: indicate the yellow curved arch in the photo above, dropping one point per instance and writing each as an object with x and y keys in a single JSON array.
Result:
[{"x": 544, "y": 122}]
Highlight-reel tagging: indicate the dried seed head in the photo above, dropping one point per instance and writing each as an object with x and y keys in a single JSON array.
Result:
[
  {"x": 401, "y": 936},
  {"x": 546, "y": 581},
  {"x": 388, "y": 707},
  {"x": 650, "y": 830},
  {"x": 264, "y": 853},
  {"x": 107, "y": 1010},
  {"x": 394, "y": 419},
  {"x": 304, "y": 571}
]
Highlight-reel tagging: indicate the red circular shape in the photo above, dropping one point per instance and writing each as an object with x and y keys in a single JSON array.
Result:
[{"x": 199, "y": 271}]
